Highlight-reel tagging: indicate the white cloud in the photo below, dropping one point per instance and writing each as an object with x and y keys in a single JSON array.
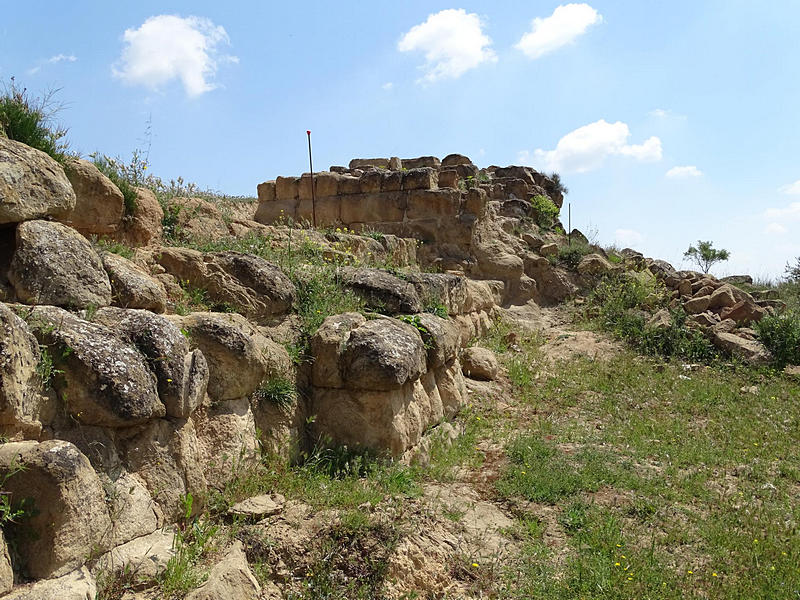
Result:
[
  {"x": 52, "y": 61},
  {"x": 168, "y": 47},
  {"x": 684, "y": 172},
  {"x": 787, "y": 213},
  {"x": 453, "y": 42},
  {"x": 387, "y": 86},
  {"x": 790, "y": 188},
  {"x": 587, "y": 147},
  {"x": 775, "y": 228},
  {"x": 662, "y": 113},
  {"x": 562, "y": 27},
  {"x": 628, "y": 238}
]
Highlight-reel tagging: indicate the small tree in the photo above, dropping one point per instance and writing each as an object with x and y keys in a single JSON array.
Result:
[
  {"x": 705, "y": 255},
  {"x": 793, "y": 271}
]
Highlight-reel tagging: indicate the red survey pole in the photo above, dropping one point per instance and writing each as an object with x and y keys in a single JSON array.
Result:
[{"x": 313, "y": 193}]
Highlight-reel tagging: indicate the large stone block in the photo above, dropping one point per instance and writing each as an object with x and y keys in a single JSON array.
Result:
[
  {"x": 99, "y": 205},
  {"x": 452, "y": 160},
  {"x": 476, "y": 202},
  {"x": 276, "y": 211},
  {"x": 327, "y": 184},
  {"x": 360, "y": 163},
  {"x": 374, "y": 208},
  {"x": 370, "y": 182},
  {"x": 328, "y": 211},
  {"x": 422, "y": 161},
  {"x": 287, "y": 188},
  {"x": 392, "y": 181},
  {"x": 424, "y": 178},
  {"x": 349, "y": 185},
  {"x": 423, "y": 204},
  {"x": 266, "y": 191}
]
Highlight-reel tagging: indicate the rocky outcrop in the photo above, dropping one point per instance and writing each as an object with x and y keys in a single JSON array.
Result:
[
  {"x": 383, "y": 291},
  {"x": 239, "y": 357},
  {"x": 376, "y": 386},
  {"x": 77, "y": 585},
  {"x": 231, "y": 578},
  {"x": 32, "y": 185},
  {"x": 55, "y": 265},
  {"x": 99, "y": 205},
  {"x": 142, "y": 226}
]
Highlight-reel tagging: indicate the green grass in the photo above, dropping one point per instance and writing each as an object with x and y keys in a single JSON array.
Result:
[
  {"x": 278, "y": 391},
  {"x": 704, "y": 478}
]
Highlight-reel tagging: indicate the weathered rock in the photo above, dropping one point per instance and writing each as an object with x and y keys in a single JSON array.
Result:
[
  {"x": 705, "y": 319},
  {"x": 165, "y": 454},
  {"x": 548, "y": 249},
  {"x": 441, "y": 338},
  {"x": 421, "y": 161},
  {"x": 104, "y": 381},
  {"x": 751, "y": 351},
  {"x": 724, "y": 326},
  {"x": 595, "y": 265},
  {"x": 479, "y": 363},
  {"x": 534, "y": 241},
  {"x": 19, "y": 382},
  {"x": 77, "y": 585},
  {"x": 697, "y": 305},
  {"x": 54, "y": 264},
  {"x": 134, "y": 513},
  {"x": 230, "y": 579},
  {"x": 146, "y": 556},
  {"x": 685, "y": 288},
  {"x": 99, "y": 204},
  {"x": 744, "y": 311},
  {"x": 383, "y": 354},
  {"x": 68, "y": 515},
  {"x": 258, "y": 507},
  {"x": 239, "y": 357},
  {"x": 255, "y": 287},
  {"x": 144, "y": 225},
  {"x": 722, "y": 298},
  {"x": 452, "y": 160},
  {"x": 358, "y": 163},
  {"x": 6, "y": 571},
  {"x": 131, "y": 286},
  {"x": 738, "y": 279},
  {"x": 514, "y": 172},
  {"x": 661, "y": 320},
  {"x": 182, "y": 373},
  {"x": 227, "y": 440},
  {"x": 327, "y": 345},
  {"x": 423, "y": 178},
  {"x": 32, "y": 185},
  {"x": 383, "y": 291},
  {"x": 662, "y": 269}
]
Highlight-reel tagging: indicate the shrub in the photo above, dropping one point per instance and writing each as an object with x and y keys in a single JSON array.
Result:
[
  {"x": 781, "y": 335},
  {"x": 30, "y": 121},
  {"x": 545, "y": 211},
  {"x": 705, "y": 255},
  {"x": 571, "y": 255}
]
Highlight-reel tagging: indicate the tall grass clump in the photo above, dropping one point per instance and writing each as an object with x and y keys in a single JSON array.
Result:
[
  {"x": 30, "y": 120},
  {"x": 781, "y": 335}
]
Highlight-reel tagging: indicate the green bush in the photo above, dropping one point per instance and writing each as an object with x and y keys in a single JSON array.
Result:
[
  {"x": 781, "y": 335},
  {"x": 545, "y": 211},
  {"x": 30, "y": 121},
  {"x": 121, "y": 177},
  {"x": 571, "y": 255}
]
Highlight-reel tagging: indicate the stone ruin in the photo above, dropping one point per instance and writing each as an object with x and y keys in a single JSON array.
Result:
[{"x": 465, "y": 217}]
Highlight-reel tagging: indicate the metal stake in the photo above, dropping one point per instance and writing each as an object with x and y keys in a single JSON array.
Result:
[
  {"x": 569, "y": 223},
  {"x": 313, "y": 194}
]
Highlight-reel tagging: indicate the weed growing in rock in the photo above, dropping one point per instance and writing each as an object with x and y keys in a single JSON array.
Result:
[
  {"x": 31, "y": 120},
  {"x": 278, "y": 391},
  {"x": 570, "y": 255},
  {"x": 545, "y": 212}
]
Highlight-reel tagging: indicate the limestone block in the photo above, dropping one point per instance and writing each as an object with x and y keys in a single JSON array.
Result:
[
  {"x": 476, "y": 202},
  {"x": 277, "y": 210},
  {"x": 423, "y": 204},
  {"x": 287, "y": 188},
  {"x": 99, "y": 205},
  {"x": 374, "y": 208},
  {"x": 448, "y": 179},
  {"x": 328, "y": 211},
  {"x": 424, "y": 178},
  {"x": 370, "y": 182},
  {"x": 358, "y": 163},
  {"x": 452, "y": 160},
  {"x": 422, "y": 161},
  {"x": 266, "y": 191},
  {"x": 327, "y": 184},
  {"x": 392, "y": 181},
  {"x": 349, "y": 185}
]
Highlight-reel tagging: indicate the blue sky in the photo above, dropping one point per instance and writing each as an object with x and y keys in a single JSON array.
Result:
[{"x": 669, "y": 122}]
